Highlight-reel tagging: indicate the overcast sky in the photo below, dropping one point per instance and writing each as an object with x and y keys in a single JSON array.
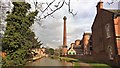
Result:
[{"x": 51, "y": 32}]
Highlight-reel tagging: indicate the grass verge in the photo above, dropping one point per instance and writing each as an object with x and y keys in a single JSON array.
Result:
[
  {"x": 91, "y": 63},
  {"x": 95, "y": 64},
  {"x": 99, "y": 65},
  {"x": 76, "y": 65},
  {"x": 69, "y": 59},
  {"x": 72, "y": 60}
]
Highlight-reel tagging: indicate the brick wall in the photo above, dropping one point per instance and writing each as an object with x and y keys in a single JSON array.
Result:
[
  {"x": 117, "y": 32},
  {"x": 119, "y": 36},
  {"x": 86, "y": 38},
  {"x": 116, "y": 26},
  {"x": 77, "y": 42},
  {"x": 103, "y": 36}
]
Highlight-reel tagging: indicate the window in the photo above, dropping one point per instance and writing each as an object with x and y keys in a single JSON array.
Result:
[
  {"x": 110, "y": 52},
  {"x": 107, "y": 28},
  {"x": 69, "y": 53},
  {"x": 73, "y": 53}
]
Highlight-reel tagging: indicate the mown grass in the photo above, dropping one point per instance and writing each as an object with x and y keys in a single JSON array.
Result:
[
  {"x": 93, "y": 64},
  {"x": 69, "y": 59},
  {"x": 72, "y": 60},
  {"x": 0, "y": 61},
  {"x": 76, "y": 65},
  {"x": 99, "y": 65},
  {"x": 0, "y": 58},
  {"x": 87, "y": 60}
]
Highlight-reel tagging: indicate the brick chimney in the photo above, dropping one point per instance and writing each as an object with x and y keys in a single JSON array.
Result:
[
  {"x": 72, "y": 45},
  {"x": 99, "y": 5},
  {"x": 64, "y": 51},
  {"x": 64, "y": 32}
]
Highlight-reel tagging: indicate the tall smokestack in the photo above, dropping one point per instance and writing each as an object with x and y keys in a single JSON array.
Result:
[
  {"x": 64, "y": 34},
  {"x": 64, "y": 50}
]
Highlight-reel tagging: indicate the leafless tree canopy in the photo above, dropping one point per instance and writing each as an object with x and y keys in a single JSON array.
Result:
[
  {"x": 58, "y": 6},
  {"x": 112, "y": 1}
]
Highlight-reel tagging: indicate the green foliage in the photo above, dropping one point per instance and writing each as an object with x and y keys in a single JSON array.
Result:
[
  {"x": 76, "y": 64},
  {"x": 18, "y": 38},
  {"x": 69, "y": 59},
  {"x": 99, "y": 65},
  {"x": 51, "y": 51}
]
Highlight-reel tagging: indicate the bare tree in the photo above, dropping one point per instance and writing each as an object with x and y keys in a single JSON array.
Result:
[
  {"x": 57, "y": 6},
  {"x": 44, "y": 13},
  {"x": 112, "y": 1}
]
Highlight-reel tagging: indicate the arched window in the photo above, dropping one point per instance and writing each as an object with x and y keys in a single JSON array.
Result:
[
  {"x": 73, "y": 53},
  {"x": 69, "y": 53},
  {"x": 110, "y": 52},
  {"x": 107, "y": 28}
]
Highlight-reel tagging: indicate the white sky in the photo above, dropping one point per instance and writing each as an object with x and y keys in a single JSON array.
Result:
[{"x": 52, "y": 34}]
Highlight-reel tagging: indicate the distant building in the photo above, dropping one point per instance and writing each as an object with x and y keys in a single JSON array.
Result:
[
  {"x": 38, "y": 52},
  {"x": 71, "y": 51},
  {"x": 3, "y": 55},
  {"x": 85, "y": 43},
  {"x": 90, "y": 46},
  {"x": 78, "y": 47},
  {"x": 106, "y": 34}
]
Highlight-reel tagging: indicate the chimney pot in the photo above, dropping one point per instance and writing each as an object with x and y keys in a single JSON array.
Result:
[
  {"x": 99, "y": 5},
  {"x": 64, "y": 18}
]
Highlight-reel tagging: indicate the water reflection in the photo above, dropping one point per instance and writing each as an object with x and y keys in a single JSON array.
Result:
[
  {"x": 67, "y": 64},
  {"x": 50, "y": 62}
]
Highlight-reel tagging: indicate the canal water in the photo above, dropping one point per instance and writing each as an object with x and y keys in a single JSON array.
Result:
[{"x": 46, "y": 61}]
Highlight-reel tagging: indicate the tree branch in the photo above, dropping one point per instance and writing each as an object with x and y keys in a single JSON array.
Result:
[
  {"x": 48, "y": 6},
  {"x": 57, "y": 7},
  {"x": 54, "y": 10},
  {"x": 69, "y": 9}
]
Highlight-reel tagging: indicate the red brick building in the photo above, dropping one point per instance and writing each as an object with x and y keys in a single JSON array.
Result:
[
  {"x": 71, "y": 51},
  {"x": 78, "y": 47},
  {"x": 85, "y": 43},
  {"x": 106, "y": 35}
]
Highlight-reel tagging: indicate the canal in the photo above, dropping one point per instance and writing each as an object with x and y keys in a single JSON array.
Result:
[{"x": 46, "y": 61}]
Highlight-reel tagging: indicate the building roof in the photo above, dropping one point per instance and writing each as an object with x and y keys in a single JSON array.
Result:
[
  {"x": 114, "y": 11},
  {"x": 77, "y": 40},
  {"x": 87, "y": 33},
  {"x": 72, "y": 43}
]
